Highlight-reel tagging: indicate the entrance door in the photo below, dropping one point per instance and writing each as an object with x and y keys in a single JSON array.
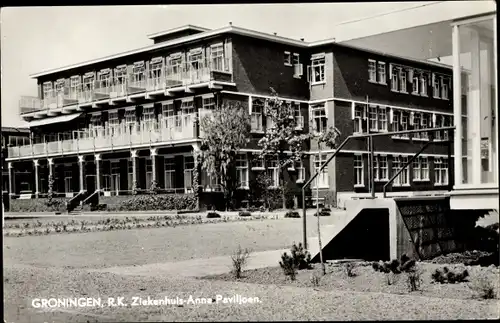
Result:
[{"x": 90, "y": 181}]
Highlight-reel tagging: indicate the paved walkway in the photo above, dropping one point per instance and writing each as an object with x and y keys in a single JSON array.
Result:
[{"x": 199, "y": 267}]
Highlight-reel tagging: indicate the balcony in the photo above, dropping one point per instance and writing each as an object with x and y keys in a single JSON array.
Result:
[
  {"x": 165, "y": 80},
  {"x": 111, "y": 137}
]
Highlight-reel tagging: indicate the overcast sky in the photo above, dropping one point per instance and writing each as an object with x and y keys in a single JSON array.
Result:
[{"x": 35, "y": 39}]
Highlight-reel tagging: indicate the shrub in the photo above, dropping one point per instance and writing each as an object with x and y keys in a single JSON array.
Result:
[
  {"x": 446, "y": 276},
  {"x": 315, "y": 280},
  {"x": 159, "y": 202},
  {"x": 484, "y": 288},
  {"x": 239, "y": 260},
  {"x": 323, "y": 212},
  {"x": 349, "y": 267},
  {"x": 414, "y": 279},
  {"x": 288, "y": 265},
  {"x": 213, "y": 215},
  {"x": 301, "y": 257},
  {"x": 292, "y": 214},
  {"x": 244, "y": 213},
  {"x": 395, "y": 267},
  {"x": 38, "y": 205}
]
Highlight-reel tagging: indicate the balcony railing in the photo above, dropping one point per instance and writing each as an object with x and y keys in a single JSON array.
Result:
[
  {"x": 167, "y": 77},
  {"x": 112, "y": 137}
]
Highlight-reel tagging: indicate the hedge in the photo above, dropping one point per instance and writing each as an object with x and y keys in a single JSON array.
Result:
[
  {"x": 156, "y": 202},
  {"x": 38, "y": 205}
]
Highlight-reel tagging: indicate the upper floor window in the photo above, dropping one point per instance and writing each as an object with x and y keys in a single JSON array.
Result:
[
  {"x": 148, "y": 114},
  {"x": 436, "y": 86},
  {"x": 372, "y": 117},
  {"x": 420, "y": 169},
  {"x": 88, "y": 81},
  {"x": 381, "y": 73},
  {"x": 217, "y": 57},
  {"x": 155, "y": 67},
  {"x": 372, "y": 70},
  {"x": 130, "y": 116},
  {"x": 402, "y": 80},
  {"x": 403, "y": 178},
  {"x": 319, "y": 118},
  {"x": 318, "y": 68},
  {"x": 47, "y": 90},
  {"x": 394, "y": 78},
  {"x": 423, "y": 84},
  {"x": 444, "y": 88},
  {"x": 113, "y": 118},
  {"x": 175, "y": 63},
  {"x": 138, "y": 71},
  {"x": 257, "y": 115},
  {"x": 120, "y": 74},
  {"x": 74, "y": 84},
  {"x": 104, "y": 78},
  {"x": 209, "y": 103},
  {"x": 359, "y": 114},
  {"x": 288, "y": 59},
  {"x": 297, "y": 67},
  {"x": 195, "y": 58},
  {"x": 187, "y": 106},
  {"x": 60, "y": 86},
  {"x": 299, "y": 119},
  {"x": 415, "y": 84}
]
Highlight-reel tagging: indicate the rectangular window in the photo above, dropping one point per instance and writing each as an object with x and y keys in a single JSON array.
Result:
[
  {"x": 318, "y": 69},
  {"x": 444, "y": 88},
  {"x": 130, "y": 174},
  {"x": 322, "y": 179},
  {"x": 440, "y": 171},
  {"x": 394, "y": 78},
  {"x": 175, "y": 66},
  {"x": 209, "y": 103},
  {"x": 381, "y": 73},
  {"x": 149, "y": 118},
  {"x": 297, "y": 67},
  {"x": 273, "y": 170},
  {"x": 424, "y": 124},
  {"x": 358, "y": 170},
  {"x": 299, "y": 119},
  {"x": 155, "y": 70},
  {"x": 319, "y": 118},
  {"x": 257, "y": 162},
  {"x": 382, "y": 119},
  {"x": 372, "y": 117},
  {"x": 217, "y": 57},
  {"x": 436, "y": 87},
  {"x": 403, "y": 81},
  {"x": 242, "y": 171},
  {"x": 288, "y": 59},
  {"x": 404, "y": 124},
  {"x": 188, "y": 172},
  {"x": 358, "y": 119},
  {"x": 372, "y": 70},
  {"x": 48, "y": 91},
  {"x": 423, "y": 84},
  {"x": 403, "y": 178},
  {"x": 169, "y": 173},
  {"x": 104, "y": 79},
  {"x": 257, "y": 115},
  {"x": 381, "y": 168},
  {"x": 138, "y": 73},
  {"x": 416, "y": 124},
  {"x": 74, "y": 86},
  {"x": 415, "y": 84},
  {"x": 195, "y": 60},
  {"x": 301, "y": 171},
  {"x": 88, "y": 82},
  {"x": 121, "y": 75}
]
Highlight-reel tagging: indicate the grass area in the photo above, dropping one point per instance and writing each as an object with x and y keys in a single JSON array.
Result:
[
  {"x": 153, "y": 245},
  {"x": 365, "y": 279}
]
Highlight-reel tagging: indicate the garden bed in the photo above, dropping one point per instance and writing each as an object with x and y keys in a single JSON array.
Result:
[
  {"x": 366, "y": 279},
  {"x": 38, "y": 205}
]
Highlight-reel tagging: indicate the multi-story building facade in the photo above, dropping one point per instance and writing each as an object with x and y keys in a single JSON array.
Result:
[
  {"x": 12, "y": 137},
  {"x": 132, "y": 117}
]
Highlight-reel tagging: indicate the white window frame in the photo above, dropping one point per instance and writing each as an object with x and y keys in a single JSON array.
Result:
[
  {"x": 299, "y": 118},
  {"x": 417, "y": 121},
  {"x": 195, "y": 60},
  {"x": 188, "y": 169},
  {"x": 120, "y": 75},
  {"x": 156, "y": 69},
  {"x": 242, "y": 171},
  {"x": 297, "y": 67},
  {"x": 424, "y": 124},
  {"x": 75, "y": 85},
  {"x": 394, "y": 78},
  {"x": 404, "y": 124},
  {"x": 169, "y": 174},
  {"x": 287, "y": 58},
  {"x": 444, "y": 88},
  {"x": 358, "y": 119},
  {"x": 415, "y": 84},
  {"x": 322, "y": 180},
  {"x": 359, "y": 170},
  {"x": 381, "y": 168},
  {"x": 48, "y": 90},
  {"x": 319, "y": 118},
  {"x": 257, "y": 116},
  {"x": 301, "y": 171},
  {"x": 403, "y": 179},
  {"x": 372, "y": 71},
  {"x": 436, "y": 89},
  {"x": 441, "y": 171},
  {"x": 217, "y": 57},
  {"x": 373, "y": 117},
  {"x": 382, "y": 119},
  {"x": 318, "y": 65},
  {"x": 105, "y": 79},
  {"x": 130, "y": 174},
  {"x": 423, "y": 84},
  {"x": 208, "y": 103},
  {"x": 258, "y": 163},
  {"x": 272, "y": 170},
  {"x": 138, "y": 72},
  {"x": 403, "y": 81},
  {"x": 382, "y": 73}
]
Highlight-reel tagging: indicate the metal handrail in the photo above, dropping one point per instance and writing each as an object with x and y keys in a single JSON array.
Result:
[
  {"x": 405, "y": 166},
  {"x": 339, "y": 148}
]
